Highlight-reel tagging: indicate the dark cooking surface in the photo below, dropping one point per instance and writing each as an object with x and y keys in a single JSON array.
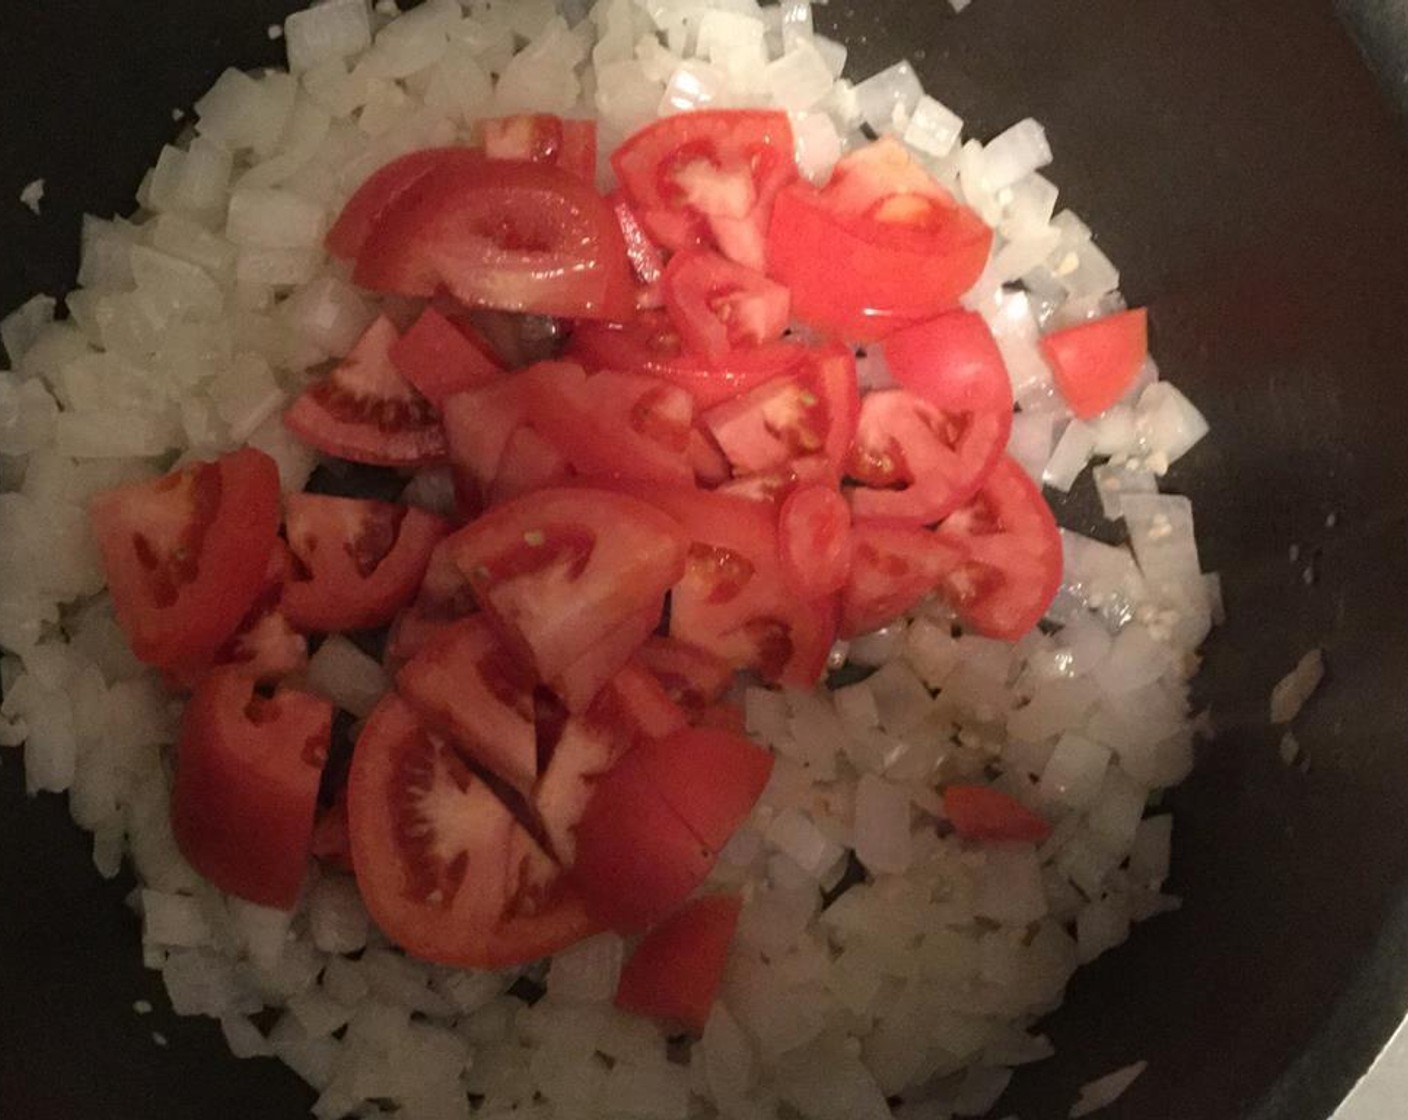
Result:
[{"x": 1237, "y": 162}]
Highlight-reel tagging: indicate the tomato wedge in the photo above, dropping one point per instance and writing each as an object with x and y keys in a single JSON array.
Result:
[
  {"x": 440, "y": 355},
  {"x": 814, "y": 541},
  {"x": 718, "y": 305},
  {"x": 708, "y": 178},
  {"x": 186, "y": 555},
  {"x": 559, "y": 570},
  {"x": 952, "y": 362},
  {"x": 544, "y": 138},
  {"x": 1012, "y": 547},
  {"x": 383, "y": 189},
  {"x": 578, "y": 684},
  {"x": 893, "y": 568},
  {"x": 675, "y": 972},
  {"x": 1095, "y": 363},
  {"x": 881, "y": 246},
  {"x": 919, "y": 463},
  {"x": 692, "y": 677},
  {"x": 445, "y": 868},
  {"x": 657, "y": 819},
  {"x": 246, "y": 790},
  {"x": 359, "y": 562},
  {"x": 984, "y": 813},
  {"x": 364, "y": 410},
  {"x": 464, "y": 685},
  {"x": 582, "y": 754},
  {"x": 508, "y": 235}
]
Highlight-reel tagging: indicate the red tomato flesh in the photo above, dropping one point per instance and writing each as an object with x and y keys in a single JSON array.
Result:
[
  {"x": 544, "y": 138},
  {"x": 893, "y": 568},
  {"x": 246, "y": 791},
  {"x": 814, "y": 541},
  {"x": 675, "y": 972},
  {"x": 952, "y": 362},
  {"x": 186, "y": 555},
  {"x": 692, "y": 677},
  {"x": 375, "y": 197},
  {"x": 983, "y": 813},
  {"x": 364, "y": 410},
  {"x": 440, "y": 356},
  {"x": 359, "y": 562},
  {"x": 718, "y": 305},
  {"x": 1095, "y": 363}
]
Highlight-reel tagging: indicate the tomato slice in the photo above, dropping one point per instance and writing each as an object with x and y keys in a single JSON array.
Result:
[
  {"x": 775, "y": 486},
  {"x": 508, "y": 235},
  {"x": 919, "y": 463},
  {"x": 881, "y": 246},
  {"x": 708, "y": 178},
  {"x": 529, "y": 463},
  {"x": 246, "y": 790},
  {"x": 636, "y": 705},
  {"x": 577, "y": 685},
  {"x": 366, "y": 411},
  {"x": 383, "y": 189},
  {"x": 559, "y": 570},
  {"x": 582, "y": 754},
  {"x": 440, "y": 355},
  {"x": 1095, "y": 363},
  {"x": 952, "y": 362},
  {"x": 464, "y": 684},
  {"x": 445, "y": 867},
  {"x": 692, "y": 677},
  {"x": 359, "y": 562},
  {"x": 544, "y": 138},
  {"x": 1012, "y": 545},
  {"x": 814, "y": 541},
  {"x": 675, "y": 972},
  {"x": 893, "y": 568},
  {"x": 718, "y": 305},
  {"x": 186, "y": 555},
  {"x": 651, "y": 344},
  {"x": 810, "y": 411},
  {"x": 984, "y": 813},
  {"x": 657, "y": 819},
  {"x": 444, "y": 598}
]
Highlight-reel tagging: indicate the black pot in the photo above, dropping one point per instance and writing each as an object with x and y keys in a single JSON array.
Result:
[{"x": 1238, "y": 162}]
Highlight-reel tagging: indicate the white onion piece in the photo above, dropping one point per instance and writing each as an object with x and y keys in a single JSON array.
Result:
[
  {"x": 1069, "y": 459},
  {"x": 334, "y": 29},
  {"x": 1014, "y": 154},
  {"x": 887, "y": 100},
  {"x": 1114, "y": 483},
  {"x": 799, "y": 79},
  {"x": 1168, "y": 425},
  {"x": 882, "y": 826},
  {"x": 588, "y": 971},
  {"x": 347, "y": 676},
  {"x": 1031, "y": 442},
  {"x": 1075, "y": 771},
  {"x": 933, "y": 127},
  {"x": 1104, "y": 1091},
  {"x": 1292, "y": 691}
]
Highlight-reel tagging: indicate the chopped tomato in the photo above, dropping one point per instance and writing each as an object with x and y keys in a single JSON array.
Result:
[
  {"x": 635, "y": 704},
  {"x": 723, "y": 717},
  {"x": 186, "y": 555},
  {"x": 577, "y": 685},
  {"x": 776, "y": 486},
  {"x": 1012, "y": 555},
  {"x": 513, "y": 236},
  {"x": 331, "y": 843},
  {"x": 246, "y": 791},
  {"x": 358, "y": 562},
  {"x": 893, "y": 567},
  {"x": 651, "y": 344},
  {"x": 692, "y": 677},
  {"x": 1095, "y": 363},
  {"x": 718, "y": 305},
  {"x": 544, "y": 138},
  {"x": 708, "y": 178},
  {"x": 443, "y": 599},
  {"x": 646, "y": 258},
  {"x": 881, "y": 246},
  {"x": 675, "y": 972},
  {"x": 440, "y": 355},
  {"x": 984, "y": 813},
  {"x": 375, "y": 197},
  {"x": 657, "y": 819},
  {"x": 444, "y": 866},
  {"x": 366, "y": 411},
  {"x": 530, "y": 462},
  {"x": 814, "y": 541},
  {"x": 952, "y": 362},
  {"x": 582, "y": 754},
  {"x": 464, "y": 684},
  {"x": 559, "y": 570},
  {"x": 917, "y": 462}
]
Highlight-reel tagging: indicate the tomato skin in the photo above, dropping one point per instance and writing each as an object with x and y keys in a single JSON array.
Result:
[
  {"x": 363, "y": 560},
  {"x": 443, "y": 866},
  {"x": 709, "y": 778},
  {"x": 1095, "y": 363},
  {"x": 952, "y": 362},
  {"x": 559, "y": 570},
  {"x": 381, "y": 191},
  {"x": 544, "y": 138},
  {"x": 509, "y": 235},
  {"x": 675, "y": 972},
  {"x": 364, "y": 410},
  {"x": 986, "y": 814},
  {"x": 246, "y": 789},
  {"x": 718, "y": 305},
  {"x": 893, "y": 568},
  {"x": 463, "y": 684},
  {"x": 441, "y": 356},
  {"x": 1012, "y": 555},
  {"x": 709, "y": 177},
  {"x": 186, "y": 555},
  {"x": 814, "y": 541}
]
